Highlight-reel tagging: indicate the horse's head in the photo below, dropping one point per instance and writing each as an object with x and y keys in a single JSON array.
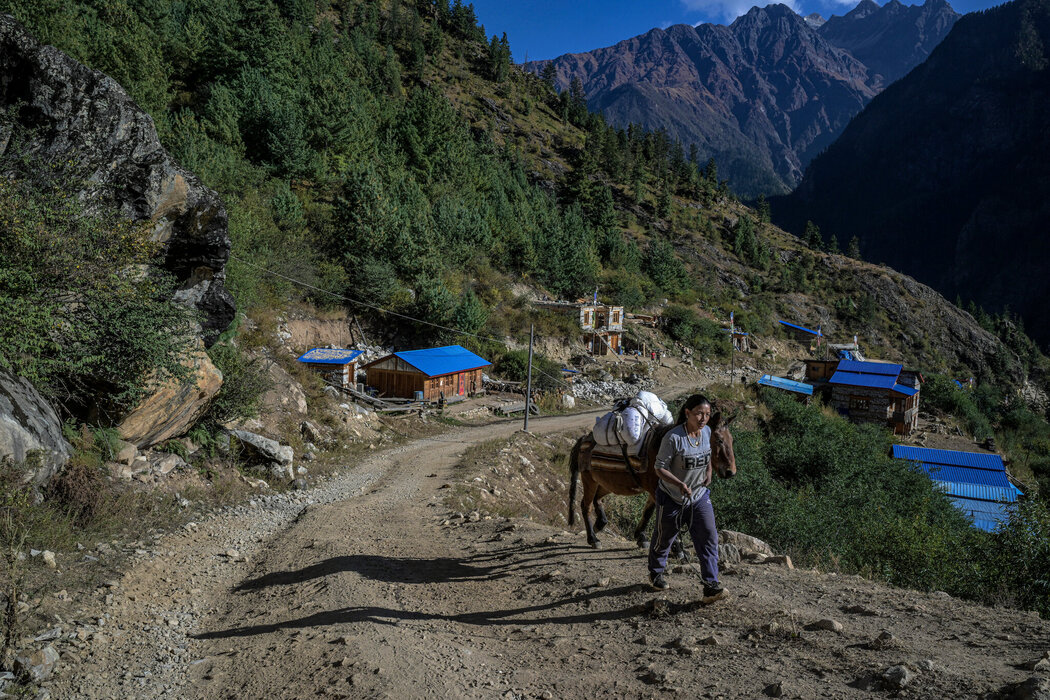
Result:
[{"x": 722, "y": 446}]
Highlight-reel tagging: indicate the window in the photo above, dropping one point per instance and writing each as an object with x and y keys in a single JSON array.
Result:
[{"x": 859, "y": 403}]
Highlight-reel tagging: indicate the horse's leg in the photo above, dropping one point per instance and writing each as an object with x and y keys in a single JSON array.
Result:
[
  {"x": 601, "y": 520},
  {"x": 590, "y": 487},
  {"x": 643, "y": 523}
]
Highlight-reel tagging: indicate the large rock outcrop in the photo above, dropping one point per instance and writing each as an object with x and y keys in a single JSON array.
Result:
[
  {"x": 30, "y": 431},
  {"x": 77, "y": 114},
  {"x": 173, "y": 406}
]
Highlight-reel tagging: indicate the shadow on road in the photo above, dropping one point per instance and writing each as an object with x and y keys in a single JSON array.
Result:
[{"x": 388, "y": 616}]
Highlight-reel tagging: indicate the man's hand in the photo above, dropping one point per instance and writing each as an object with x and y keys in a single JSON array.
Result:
[{"x": 686, "y": 491}]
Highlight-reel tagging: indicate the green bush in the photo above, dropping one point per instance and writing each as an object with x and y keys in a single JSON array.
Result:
[
  {"x": 243, "y": 384},
  {"x": 703, "y": 335},
  {"x": 941, "y": 392},
  {"x": 514, "y": 366},
  {"x": 85, "y": 312}
]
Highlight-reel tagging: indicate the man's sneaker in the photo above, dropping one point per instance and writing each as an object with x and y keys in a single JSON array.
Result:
[
  {"x": 659, "y": 582},
  {"x": 713, "y": 590}
]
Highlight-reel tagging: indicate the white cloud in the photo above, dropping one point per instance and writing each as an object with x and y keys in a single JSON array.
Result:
[{"x": 728, "y": 10}]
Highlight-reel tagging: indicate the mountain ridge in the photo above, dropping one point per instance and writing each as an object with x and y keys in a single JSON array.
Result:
[{"x": 762, "y": 95}]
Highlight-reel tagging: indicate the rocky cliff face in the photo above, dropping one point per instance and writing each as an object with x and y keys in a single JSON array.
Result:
[
  {"x": 945, "y": 175},
  {"x": 73, "y": 113},
  {"x": 762, "y": 96},
  {"x": 892, "y": 39},
  {"x": 30, "y": 431}
]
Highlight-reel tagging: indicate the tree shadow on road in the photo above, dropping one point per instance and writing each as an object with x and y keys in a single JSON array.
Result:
[
  {"x": 413, "y": 570},
  {"x": 528, "y": 615}
]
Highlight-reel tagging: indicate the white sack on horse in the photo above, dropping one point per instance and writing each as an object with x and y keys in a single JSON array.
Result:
[{"x": 654, "y": 406}]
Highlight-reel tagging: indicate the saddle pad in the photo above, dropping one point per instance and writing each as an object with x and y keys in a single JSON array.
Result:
[{"x": 604, "y": 461}]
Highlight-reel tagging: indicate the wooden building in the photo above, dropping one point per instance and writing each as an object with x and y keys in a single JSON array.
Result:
[
  {"x": 450, "y": 371},
  {"x": 876, "y": 392},
  {"x": 337, "y": 366},
  {"x": 820, "y": 370},
  {"x": 602, "y": 325}
]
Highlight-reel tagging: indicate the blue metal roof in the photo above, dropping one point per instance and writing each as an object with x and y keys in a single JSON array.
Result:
[
  {"x": 801, "y": 328},
  {"x": 986, "y": 516},
  {"x": 927, "y": 455},
  {"x": 879, "y": 368},
  {"x": 329, "y": 356},
  {"x": 978, "y": 492},
  {"x": 964, "y": 475},
  {"x": 872, "y": 375},
  {"x": 786, "y": 384},
  {"x": 450, "y": 359}
]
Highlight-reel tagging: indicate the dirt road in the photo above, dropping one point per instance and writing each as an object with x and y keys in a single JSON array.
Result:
[{"x": 372, "y": 591}]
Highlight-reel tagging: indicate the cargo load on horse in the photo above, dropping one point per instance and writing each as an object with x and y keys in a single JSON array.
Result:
[{"x": 624, "y": 429}]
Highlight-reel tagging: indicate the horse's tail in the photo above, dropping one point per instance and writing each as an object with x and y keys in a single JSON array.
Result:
[{"x": 574, "y": 473}]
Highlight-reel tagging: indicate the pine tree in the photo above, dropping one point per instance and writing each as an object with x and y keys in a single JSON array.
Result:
[
  {"x": 833, "y": 244},
  {"x": 812, "y": 235},
  {"x": 853, "y": 249}
]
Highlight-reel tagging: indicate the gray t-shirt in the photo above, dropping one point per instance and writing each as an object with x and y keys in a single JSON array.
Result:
[{"x": 687, "y": 461}]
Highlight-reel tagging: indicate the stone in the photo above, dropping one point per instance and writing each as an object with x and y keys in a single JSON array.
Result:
[
  {"x": 728, "y": 554},
  {"x": 74, "y": 112},
  {"x": 30, "y": 430},
  {"x": 49, "y": 635},
  {"x": 273, "y": 456},
  {"x": 781, "y": 559},
  {"x": 744, "y": 543},
  {"x": 826, "y": 624},
  {"x": 1040, "y": 664},
  {"x": 168, "y": 463},
  {"x": 568, "y": 402},
  {"x": 126, "y": 452},
  {"x": 885, "y": 640},
  {"x": 49, "y": 559},
  {"x": 859, "y": 610},
  {"x": 311, "y": 432},
  {"x": 37, "y": 666},
  {"x": 173, "y": 406},
  {"x": 897, "y": 677}
]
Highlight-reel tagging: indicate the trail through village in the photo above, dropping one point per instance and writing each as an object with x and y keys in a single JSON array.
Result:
[{"x": 367, "y": 586}]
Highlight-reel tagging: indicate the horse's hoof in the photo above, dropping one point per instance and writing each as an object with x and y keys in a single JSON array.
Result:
[
  {"x": 596, "y": 544},
  {"x": 642, "y": 544}
]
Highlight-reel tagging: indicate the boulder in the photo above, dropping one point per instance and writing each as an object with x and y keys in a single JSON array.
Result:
[
  {"x": 37, "y": 666},
  {"x": 73, "y": 113},
  {"x": 745, "y": 544},
  {"x": 174, "y": 406},
  {"x": 274, "y": 456},
  {"x": 285, "y": 396},
  {"x": 30, "y": 431},
  {"x": 165, "y": 463}
]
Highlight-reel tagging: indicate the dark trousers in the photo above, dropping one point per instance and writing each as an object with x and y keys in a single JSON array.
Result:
[{"x": 702, "y": 529}]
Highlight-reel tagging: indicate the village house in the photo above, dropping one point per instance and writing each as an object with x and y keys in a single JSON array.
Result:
[
  {"x": 876, "y": 392},
  {"x": 800, "y": 390},
  {"x": 448, "y": 373},
  {"x": 337, "y": 366},
  {"x": 602, "y": 325}
]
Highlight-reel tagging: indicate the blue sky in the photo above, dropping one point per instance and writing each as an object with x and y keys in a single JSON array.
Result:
[{"x": 540, "y": 29}]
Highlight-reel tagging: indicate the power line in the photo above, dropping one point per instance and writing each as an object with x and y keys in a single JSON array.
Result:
[{"x": 386, "y": 311}]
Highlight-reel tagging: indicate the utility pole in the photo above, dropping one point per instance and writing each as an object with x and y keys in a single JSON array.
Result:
[
  {"x": 732, "y": 349},
  {"x": 528, "y": 384}
]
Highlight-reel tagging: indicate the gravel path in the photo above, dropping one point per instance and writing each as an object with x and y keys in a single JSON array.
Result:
[{"x": 366, "y": 586}]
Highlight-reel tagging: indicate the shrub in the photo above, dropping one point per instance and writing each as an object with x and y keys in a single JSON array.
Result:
[{"x": 243, "y": 384}]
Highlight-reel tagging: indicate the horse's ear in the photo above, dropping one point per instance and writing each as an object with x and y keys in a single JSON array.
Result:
[
  {"x": 729, "y": 421},
  {"x": 715, "y": 419}
]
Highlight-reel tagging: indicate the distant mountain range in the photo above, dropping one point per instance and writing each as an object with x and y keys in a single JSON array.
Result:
[
  {"x": 763, "y": 95},
  {"x": 946, "y": 174}
]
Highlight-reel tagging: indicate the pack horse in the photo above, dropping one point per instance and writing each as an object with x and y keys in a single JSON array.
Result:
[{"x": 604, "y": 472}]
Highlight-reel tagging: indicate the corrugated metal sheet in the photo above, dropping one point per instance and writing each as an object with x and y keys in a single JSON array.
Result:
[
  {"x": 786, "y": 384},
  {"x": 927, "y": 455},
  {"x": 978, "y": 492},
  {"x": 881, "y": 368},
  {"x": 801, "y": 328},
  {"x": 329, "y": 356},
  {"x": 965, "y": 475},
  {"x": 435, "y": 362},
  {"x": 986, "y": 516},
  {"x": 873, "y": 381}
]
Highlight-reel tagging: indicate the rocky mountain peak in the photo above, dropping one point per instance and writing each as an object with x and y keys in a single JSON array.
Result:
[{"x": 814, "y": 20}]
